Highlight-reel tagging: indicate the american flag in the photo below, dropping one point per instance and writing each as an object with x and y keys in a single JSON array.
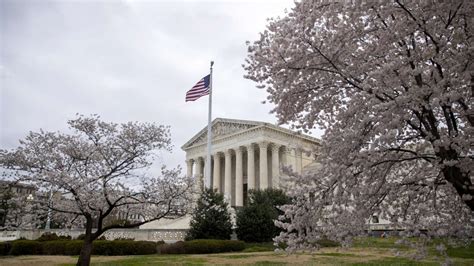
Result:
[{"x": 200, "y": 89}]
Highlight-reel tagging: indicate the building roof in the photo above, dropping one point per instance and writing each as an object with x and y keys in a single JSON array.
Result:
[{"x": 223, "y": 127}]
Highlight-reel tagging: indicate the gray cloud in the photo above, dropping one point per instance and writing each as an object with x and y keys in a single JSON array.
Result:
[{"x": 131, "y": 60}]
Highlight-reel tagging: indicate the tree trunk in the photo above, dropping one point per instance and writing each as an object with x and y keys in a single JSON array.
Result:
[
  {"x": 86, "y": 252},
  {"x": 462, "y": 183},
  {"x": 460, "y": 180}
]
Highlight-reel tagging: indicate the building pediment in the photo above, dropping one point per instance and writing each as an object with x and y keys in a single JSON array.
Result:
[{"x": 221, "y": 127}]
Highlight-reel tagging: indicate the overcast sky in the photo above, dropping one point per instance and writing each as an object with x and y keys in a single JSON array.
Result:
[{"x": 127, "y": 61}]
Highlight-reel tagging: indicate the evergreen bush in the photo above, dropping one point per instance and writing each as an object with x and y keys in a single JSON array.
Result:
[
  {"x": 211, "y": 218},
  {"x": 255, "y": 221}
]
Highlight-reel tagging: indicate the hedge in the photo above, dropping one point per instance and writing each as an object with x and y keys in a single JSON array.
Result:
[
  {"x": 123, "y": 247},
  {"x": 51, "y": 237},
  {"x": 73, "y": 247},
  {"x": 118, "y": 247},
  {"x": 5, "y": 248},
  {"x": 202, "y": 246},
  {"x": 26, "y": 247},
  {"x": 55, "y": 247},
  {"x": 173, "y": 248}
]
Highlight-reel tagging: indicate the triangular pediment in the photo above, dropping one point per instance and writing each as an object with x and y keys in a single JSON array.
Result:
[{"x": 221, "y": 127}]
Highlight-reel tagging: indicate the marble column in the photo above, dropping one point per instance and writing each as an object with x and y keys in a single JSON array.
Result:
[
  {"x": 298, "y": 160},
  {"x": 199, "y": 175},
  {"x": 189, "y": 167},
  {"x": 228, "y": 175},
  {"x": 250, "y": 167},
  {"x": 239, "y": 178},
  {"x": 263, "y": 165},
  {"x": 216, "y": 184},
  {"x": 275, "y": 166}
]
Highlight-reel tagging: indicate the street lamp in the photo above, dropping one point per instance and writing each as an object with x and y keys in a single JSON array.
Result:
[{"x": 30, "y": 197}]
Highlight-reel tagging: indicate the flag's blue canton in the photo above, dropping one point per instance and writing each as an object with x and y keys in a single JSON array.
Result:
[{"x": 200, "y": 89}]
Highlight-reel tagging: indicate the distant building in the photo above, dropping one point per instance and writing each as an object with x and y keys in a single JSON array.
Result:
[
  {"x": 17, "y": 188},
  {"x": 12, "y": 192},
  {"x": 245, "y": 155},
  {"x": 248, "y": 155}
]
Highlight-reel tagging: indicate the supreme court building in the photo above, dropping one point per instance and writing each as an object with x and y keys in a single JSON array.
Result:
[{"x": 248, "y": 155}]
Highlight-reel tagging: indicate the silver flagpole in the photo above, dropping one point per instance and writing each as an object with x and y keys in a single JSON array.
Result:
[{"x": 209, "y": 135}]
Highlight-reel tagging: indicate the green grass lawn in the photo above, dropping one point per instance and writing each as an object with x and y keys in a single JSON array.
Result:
[
  {"x": 328, "y": 257},
  {"x": 259, "y": 247},
  {"x": 461, "y": 251},
  {"x": 365, "y": 251}
]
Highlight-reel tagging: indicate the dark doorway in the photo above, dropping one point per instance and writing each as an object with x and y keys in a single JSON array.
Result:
[{"x": 245, "y": 195}]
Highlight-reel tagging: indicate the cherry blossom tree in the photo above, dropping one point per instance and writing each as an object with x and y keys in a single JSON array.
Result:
[
  {"x": 96, "y": 170},
  {"x": 392, "y": 85}
]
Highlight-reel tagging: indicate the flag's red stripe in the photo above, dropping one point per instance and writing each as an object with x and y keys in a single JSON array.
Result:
[
  {"x": 197, "y": 95},
  {"x": 197, "y": 91},
  {"x": 199, "y": 85}
]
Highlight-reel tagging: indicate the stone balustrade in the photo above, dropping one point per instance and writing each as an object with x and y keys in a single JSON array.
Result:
[{"x": 167, "y": 235}]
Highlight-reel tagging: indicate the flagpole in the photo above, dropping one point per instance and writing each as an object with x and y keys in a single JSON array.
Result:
[{"x": 209, "y": 134}]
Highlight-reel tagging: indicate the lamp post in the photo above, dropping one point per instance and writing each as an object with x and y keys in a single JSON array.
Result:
[{"x": 48, "y": 218}]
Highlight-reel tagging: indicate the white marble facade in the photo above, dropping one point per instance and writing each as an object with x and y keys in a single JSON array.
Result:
[{"x": 247, "y": 155}]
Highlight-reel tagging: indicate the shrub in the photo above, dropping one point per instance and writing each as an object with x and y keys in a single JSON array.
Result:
[
  {"x": 123, "y": 247},
  {"x": 211, "y": 218},
  {"x": 5, "y": 248},
  {"x": 204, "y": 246},
  {"x": 172, "y": 248},
  {"x": 72, "y": 247},
  {"x": 55, "y": 247},
  {"x": 107, "y": 248},
  {"x": 120, "y": 238},
  {"x": 26, "y": 247},
  {"x": 255, "y": 221},
  {"x": 146, "y": 247},
  {"x": 82, "y": 236},
  {"x": 52, "y": 236}
]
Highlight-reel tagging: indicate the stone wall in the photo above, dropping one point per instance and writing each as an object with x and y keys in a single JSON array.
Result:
[{"x": 167, "y": 235}]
